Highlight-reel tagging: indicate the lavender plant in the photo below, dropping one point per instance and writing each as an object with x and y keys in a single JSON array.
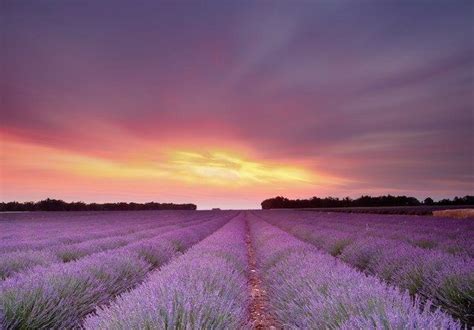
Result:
[
  {"x": 312, "y": 290},
  {"x": 447, "y": 235},
  {"x": 23, "y": 260},
  {"x": 60, "y": 295},
  {"x": 28, "y": 235},
  {"x": 427, "y": 273},
  {"x": 204, "y": 289}
]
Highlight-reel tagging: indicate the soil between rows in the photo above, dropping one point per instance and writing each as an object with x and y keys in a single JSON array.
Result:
[{"x": 260, "y": 317}]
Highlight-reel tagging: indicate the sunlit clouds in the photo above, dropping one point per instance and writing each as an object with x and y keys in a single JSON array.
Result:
[
  {"x": 197, "y": 167},
  {"x": 223, "y": 168},
  {"x": 228, "y": 103},
  {"x": 26, "y": 166}
]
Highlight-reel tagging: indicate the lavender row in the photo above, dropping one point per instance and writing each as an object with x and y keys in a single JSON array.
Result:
[
  {"x": 308, "y": 289},
  {"x": 20, "y": 261},
  {"x": 453, "y": 236},
  {"x": 204, "y": 289},
  {"x": 96, "y": 227},
  {"x": 70, "y": 235},
  {"x": 61, "y": 295},
  {"x": 15, "y": 227},
  {"x": 446, "y": 280}
]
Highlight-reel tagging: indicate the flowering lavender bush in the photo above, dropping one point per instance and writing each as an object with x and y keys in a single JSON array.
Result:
[
  {"x": 60, "y": 295},
  {"x": 29, "y": 235},
  {"x": 428, "y": 273},
  {"x": 157, "y": 270},
  {"x": 448, "y": 235},
  {"x": 204, "y": 289},
  {"x": 37, "y": 226},
  {"x": 312, "y": 290},
  {"x": 22, "y": 260},
  {"x": 17, "y": 261}
]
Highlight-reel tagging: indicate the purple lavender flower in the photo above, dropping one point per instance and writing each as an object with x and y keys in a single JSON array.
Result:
[
  {"x": 374, "y": 249},
  {"x": 60, "y": 295},
  {"x": 206, "y": 288},
  {"x": 312, "y": 290}
]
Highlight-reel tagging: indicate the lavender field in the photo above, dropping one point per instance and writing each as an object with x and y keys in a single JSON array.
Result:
[{"x": 234, "y": 269}]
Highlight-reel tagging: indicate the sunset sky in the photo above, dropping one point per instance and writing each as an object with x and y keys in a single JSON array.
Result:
[{"x": 226, "y": 103}]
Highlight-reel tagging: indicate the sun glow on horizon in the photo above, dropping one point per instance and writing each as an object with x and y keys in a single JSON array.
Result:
[
  {"x": 155, "y": 172},
  {"x": 220, "y": 167}
]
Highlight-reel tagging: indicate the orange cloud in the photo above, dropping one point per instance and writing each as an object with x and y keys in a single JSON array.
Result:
[
  {"x": 221, "y": 168},
  {"x": 165, "y": 173}
]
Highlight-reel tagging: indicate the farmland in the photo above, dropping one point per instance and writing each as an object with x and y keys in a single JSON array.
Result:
[
  {"x": 402, "y": 210},
  {"x": 234, "y": 269}
]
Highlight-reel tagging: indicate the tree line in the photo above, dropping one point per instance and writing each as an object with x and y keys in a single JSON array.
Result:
[
  {"x": 60, "y": 205},
  {"x": 363, "y": 201}
]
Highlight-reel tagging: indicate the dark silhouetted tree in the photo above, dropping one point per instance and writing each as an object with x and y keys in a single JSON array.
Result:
[
  {"x": 59, "y": 205},
  {"x": 428, "y": 201},
  {"x": 363, "y": 201}
]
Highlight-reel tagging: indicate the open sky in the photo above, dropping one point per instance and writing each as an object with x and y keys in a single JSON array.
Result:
[{"x": 226, "y": 103}]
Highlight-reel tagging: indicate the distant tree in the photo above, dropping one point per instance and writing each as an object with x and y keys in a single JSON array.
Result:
[
  {"x": 59, "y": 205},
  {"x": 363, "y": 201},
  {"x": 444, "y": 201},
  {"x": 428, "y": 201}
]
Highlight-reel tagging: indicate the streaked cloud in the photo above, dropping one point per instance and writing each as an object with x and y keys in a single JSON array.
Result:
[{"x": 236, "y": 101}]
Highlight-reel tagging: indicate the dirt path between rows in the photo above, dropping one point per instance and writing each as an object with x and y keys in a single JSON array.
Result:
[{"x": 260, "y": 317}]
